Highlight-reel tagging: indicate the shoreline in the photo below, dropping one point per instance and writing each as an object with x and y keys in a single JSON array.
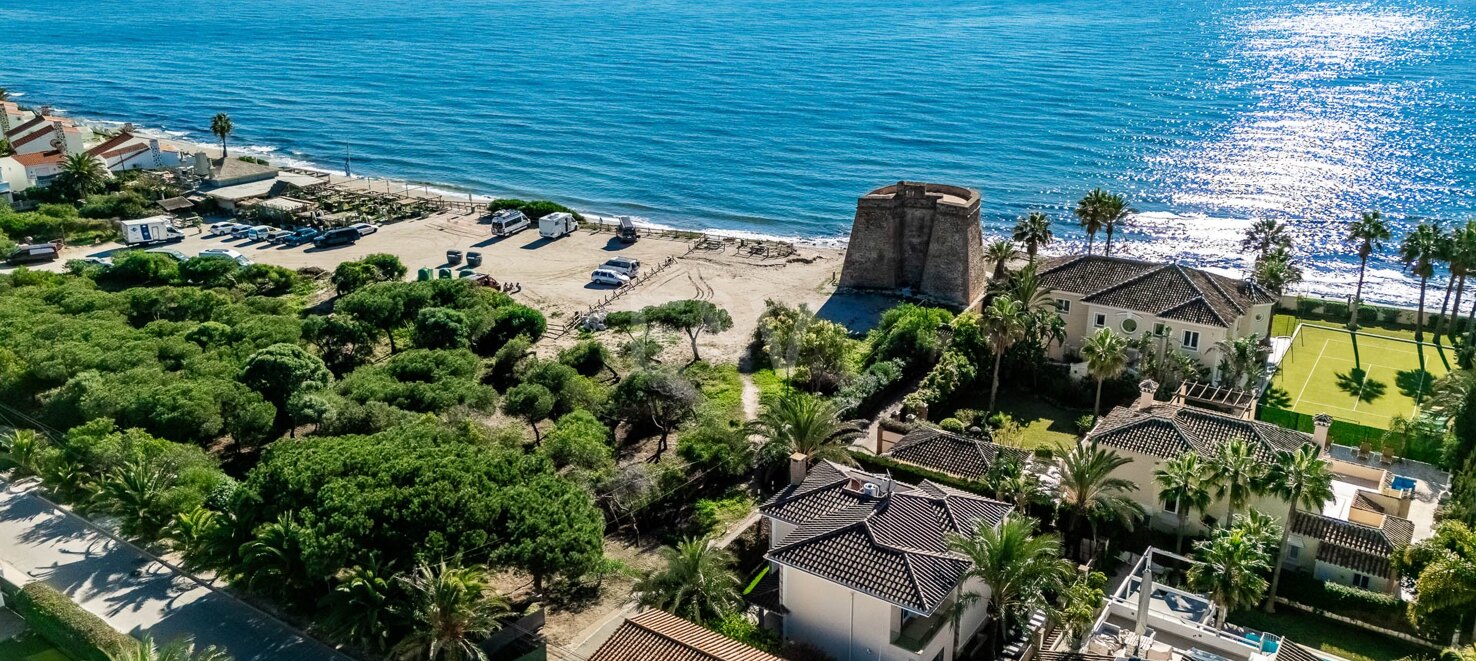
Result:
[{"x": 1169, "y": 248}]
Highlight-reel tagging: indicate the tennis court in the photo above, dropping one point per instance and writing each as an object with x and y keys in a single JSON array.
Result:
[{"x": 1360, "y": 378}]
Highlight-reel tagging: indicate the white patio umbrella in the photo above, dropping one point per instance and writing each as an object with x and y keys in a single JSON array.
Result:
[{"x": 1145, "y": 597}]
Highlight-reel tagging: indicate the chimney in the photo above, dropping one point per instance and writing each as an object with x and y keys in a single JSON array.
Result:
[
  {"x": 798, "y": 468},
  {"x": 1320, "y": 424},
  {"x": 1146, "y": 390}
]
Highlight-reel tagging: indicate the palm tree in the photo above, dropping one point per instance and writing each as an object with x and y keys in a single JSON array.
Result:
[
  {"x": 1462, "y": 259},
  {"x": 1000, "y": 252},
  {"x": 222, "y": 127},
  {"x": 1003, "y": 323},
  {"x": 359, "y": 609},
  {"x": 1300, "y": 478},
  {"x": 1114, "y": 211},
  {"x": 1106, "y": 356},
  {"x": 1277, "y": 270},
  {"x": 1033, "y": 231},
  {"x": 1089, "y": 491},
  {"x": 697, "y": 583},
  {"x": 137, "y": 493},
  {"x": 81, "y": 175},
  {"x": 1019, "y": 567},
  {"x": 1244, "y": 357},
  {"x": 451, "y": 612},
  {"x": 21, "y": 448},
  {"x": 1420, "y": 251},
  {"x": 1370, "y": 232},
  {"x": 272, "y": 561},
  {"x": 181, "y": 649},
  {"x": 1237, "y": 475},
  {"x": 808, "y": 425},
  {"x": 1264, "y": 235},
  {"x": 1184, "y": 480},
  {"x": 1229, "y": 571},
  {"x": 1089, "y": 215},
  {"x": 1444, "y": 572}
]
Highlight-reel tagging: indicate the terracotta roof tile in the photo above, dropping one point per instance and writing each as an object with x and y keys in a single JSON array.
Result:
[
  {"x": 32, "y": 160},
  {"x": 952, "y": 454},
  {"x": 1355, "y": 546},
  {"x": 660, "y": 635},
  {"x": 893, "y": 547},
  {"x": 1166, "y": 430},
  {"x": 1169, "y": 291}
]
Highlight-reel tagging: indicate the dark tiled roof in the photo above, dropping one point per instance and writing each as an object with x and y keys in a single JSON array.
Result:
[
  {"x": 110, "y": 144},
  {"x": 660, "y": 635},
  {"x": 960, "y": 456},
  {"x": 1355, "y": 546},
  {"x": 893, "y": 547},
  {"x": 1361, "y": 501},
  {"x": 1168, "y": 291},
  {"x": 1166, "y": 430},
  {"x": 1290, "y": 651},
  {"x": 32, "y": 137}
]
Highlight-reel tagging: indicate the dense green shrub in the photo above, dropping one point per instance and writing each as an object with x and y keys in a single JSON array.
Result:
[
  {"x": 63, "y": 623},
  {"x": 1307, "y": 307},
  {"x": 422, "y": 380},
  {"x": 1390, "y": 315},
  {"x": 533, "y": 209},
  {"x": 1335, "y": 310},
  {"x": 1376, "y": 608},
  {"x": 125, "y": 205}
]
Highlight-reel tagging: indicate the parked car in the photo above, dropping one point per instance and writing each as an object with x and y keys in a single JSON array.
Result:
[
  {"x": 99, "y": 261},
  {"x": 226, "y": 252},
  {"x": 507, "y": 222},
  {"x": 260, "y": 232},
  {"x": 277, "y": 236},
  {"x": 625, "y": 266},
  {"x": 34, "y": 253},
  {"x": 338, "y": 237},
  {"x": 177, "y": 255},
  {"x": 453, "y": 257},
  {"x": 240, "y": 231},
  {"x": 222, "y": 229},
  {"x": 627, "y": 231},
  {"x": 608, "y": 277},
  {"x": 365, "y": 229},
  {"x": 300, "y": 236}
]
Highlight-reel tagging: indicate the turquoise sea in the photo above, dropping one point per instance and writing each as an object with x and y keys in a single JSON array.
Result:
[{"x": 771, "y": 116}]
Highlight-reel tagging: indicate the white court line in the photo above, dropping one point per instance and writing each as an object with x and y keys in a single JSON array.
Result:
[{"x": 1311, "y": 373}]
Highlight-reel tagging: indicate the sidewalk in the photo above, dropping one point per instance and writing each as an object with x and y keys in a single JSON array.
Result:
[{"x": 134, "y": 593}]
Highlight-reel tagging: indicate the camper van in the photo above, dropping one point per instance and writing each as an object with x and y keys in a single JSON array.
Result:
[
  {"x": 159, "y": 229},
  {"x": 507, "y": 222},
  {"x": 34, "y": 253},
  {"x": 557, "y": 224}
]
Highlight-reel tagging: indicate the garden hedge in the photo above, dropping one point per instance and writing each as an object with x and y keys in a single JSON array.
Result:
[{"x": 63, "y": 623}]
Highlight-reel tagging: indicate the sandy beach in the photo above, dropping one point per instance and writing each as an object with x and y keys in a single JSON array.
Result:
[{"x": 554, "y": 273}]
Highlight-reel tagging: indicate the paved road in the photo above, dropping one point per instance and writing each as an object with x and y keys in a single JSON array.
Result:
[{"x": 99, "y": 573}]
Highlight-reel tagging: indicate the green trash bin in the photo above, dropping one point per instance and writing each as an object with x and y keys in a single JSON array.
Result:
[
  {"x": 444, "y": 273},
  {"x": 425, "y": 273}
]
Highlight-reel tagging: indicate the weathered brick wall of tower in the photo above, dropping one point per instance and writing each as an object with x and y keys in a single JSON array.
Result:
[{"x": 920, "y": 237}]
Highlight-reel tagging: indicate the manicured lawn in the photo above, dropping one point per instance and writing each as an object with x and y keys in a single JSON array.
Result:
[
  {"x": 1045, "y": 425},
  {"x": 30, "y": 647},
  {"x": 1320, "y": 633},
  {"x": 1358, "y": 377}
]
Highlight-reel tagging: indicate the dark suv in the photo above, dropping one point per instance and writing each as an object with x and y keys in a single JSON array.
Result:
[{"x": 338, "y": 237}]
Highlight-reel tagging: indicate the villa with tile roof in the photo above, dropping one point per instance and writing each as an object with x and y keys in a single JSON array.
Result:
[
  {"x": 864, "y": 566},
  {"x": 656, "y": 634},
  {"x": 952, "y": 454},
  {"x": 1190, "y": 308},
  {"x": 1378, "y": 506}
]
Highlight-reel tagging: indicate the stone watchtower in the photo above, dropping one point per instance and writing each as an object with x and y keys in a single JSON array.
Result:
[{"x": 921, "y": 237}]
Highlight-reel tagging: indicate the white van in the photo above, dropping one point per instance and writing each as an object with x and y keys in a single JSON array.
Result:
[
  {"x": 557, "y": 224},
  {"x": 144, "y": 231},
  {"x": 507, "y": 222}
]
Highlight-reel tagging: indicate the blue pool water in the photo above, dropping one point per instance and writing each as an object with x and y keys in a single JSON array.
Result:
[{"x": 771, "y": 116}]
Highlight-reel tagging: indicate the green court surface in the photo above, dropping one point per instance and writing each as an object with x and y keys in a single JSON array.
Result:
[
  {"x": 30, "y": 647},
  {"x": 1356, "y": 377}
]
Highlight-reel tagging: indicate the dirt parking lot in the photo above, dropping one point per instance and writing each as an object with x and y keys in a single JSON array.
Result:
[{"x": 554, "y": 273}]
